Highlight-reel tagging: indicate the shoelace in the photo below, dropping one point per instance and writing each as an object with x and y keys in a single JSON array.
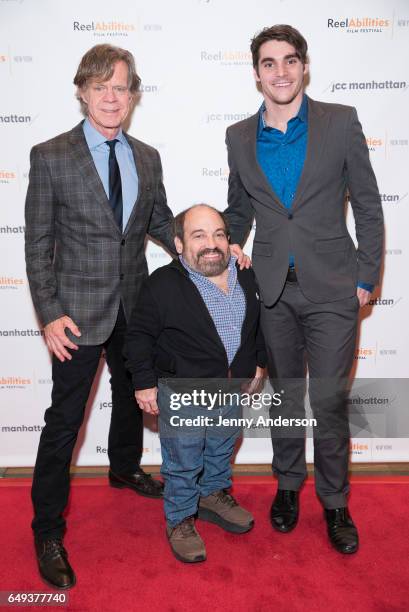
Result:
[
  {"x": 226, "y": 498},
  {"x": 54, "y": 547},
  {"x": 186, "y": 527}
]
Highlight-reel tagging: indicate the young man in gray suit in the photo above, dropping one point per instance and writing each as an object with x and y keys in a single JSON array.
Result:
[
  {"x": 292, "y": 166},
  {"x": 94, "y": 194}
]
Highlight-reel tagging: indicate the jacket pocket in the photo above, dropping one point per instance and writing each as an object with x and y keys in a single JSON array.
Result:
[
  {"x": 264, "y": 249},
  {"x": 332, "y": 245}
]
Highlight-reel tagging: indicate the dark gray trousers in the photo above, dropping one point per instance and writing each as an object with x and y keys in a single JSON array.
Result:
[{"x": 300, "y": 333}]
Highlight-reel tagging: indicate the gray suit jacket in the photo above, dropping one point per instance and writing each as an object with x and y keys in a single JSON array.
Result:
[
  {"x": 78, "y": 261},
  {"x": 314, "y": 230}
]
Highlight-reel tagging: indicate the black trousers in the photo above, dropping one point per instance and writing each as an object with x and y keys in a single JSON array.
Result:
[
  {"x": 300, "y": 333},
  {"x": 72, "y": 381}
]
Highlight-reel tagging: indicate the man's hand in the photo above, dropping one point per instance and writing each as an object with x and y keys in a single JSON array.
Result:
[
  {"x": 255, "y": 384},
  {"x": 243, "y": 260},
  {"x": 146, "y": 399},
  {"x": 56, "y": 339},
  {"x": 363, "y": 296}
]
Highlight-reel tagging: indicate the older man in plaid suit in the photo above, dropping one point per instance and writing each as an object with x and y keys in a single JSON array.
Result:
[{"x": 94, "y": 194}]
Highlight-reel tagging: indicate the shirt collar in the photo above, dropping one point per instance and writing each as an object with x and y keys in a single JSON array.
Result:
[
  {"x": 302, "y": 114},
  {"x": 95, "y": 139}
]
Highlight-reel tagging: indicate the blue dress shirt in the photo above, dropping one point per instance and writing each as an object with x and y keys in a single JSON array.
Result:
[
  {"x": 227, "y": 310},
  {"x": 281, "y": 157},
  {"x": 100, "y": 154}
]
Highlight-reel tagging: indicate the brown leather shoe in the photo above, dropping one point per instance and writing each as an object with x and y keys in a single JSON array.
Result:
[
  {"x": 53, "y": 563},
  {"x": 222, "y": 509},
  {"x": 141, "y": 483},
  {"x": 185, "y": 542}
]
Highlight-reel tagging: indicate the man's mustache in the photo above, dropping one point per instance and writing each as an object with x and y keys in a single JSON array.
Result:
[{"x": 210, "y": 251}]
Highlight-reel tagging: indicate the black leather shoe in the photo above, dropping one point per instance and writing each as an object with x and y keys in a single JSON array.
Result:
[
  {"x": 141, "y": 483},
  {"x": 53, "y": 563},
  {"x": 341, "y": 530},
  {"x": 284, "y": 511}
]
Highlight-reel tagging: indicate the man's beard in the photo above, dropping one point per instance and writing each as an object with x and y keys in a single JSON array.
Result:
[{"x": 211, "y": 268}]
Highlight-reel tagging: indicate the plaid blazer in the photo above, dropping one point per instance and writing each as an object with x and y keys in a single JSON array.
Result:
[{"x": 78, "y": 261}]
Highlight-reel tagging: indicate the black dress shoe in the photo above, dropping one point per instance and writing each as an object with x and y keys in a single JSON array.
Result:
[
  {"x": 141, "y": 483},
  {"x": 341, "y": 530},
  {"x": 284, "y": 511},
  {"x": 53, "y": 563}
]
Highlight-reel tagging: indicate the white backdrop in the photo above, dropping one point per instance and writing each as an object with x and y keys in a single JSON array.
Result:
[{"x": 194, "y": 60}]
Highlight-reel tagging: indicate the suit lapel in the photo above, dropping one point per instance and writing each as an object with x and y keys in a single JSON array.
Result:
[
  {"x": 317, "y": 132},
  {"x": 250, "y": 129},
  {"x": 83, "y": 158},
  {"x": 248, "y": 290},
  {"x": 141, "y": 168}
]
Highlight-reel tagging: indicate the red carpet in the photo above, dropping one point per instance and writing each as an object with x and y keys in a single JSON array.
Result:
[{"x": 123, "y": 563}]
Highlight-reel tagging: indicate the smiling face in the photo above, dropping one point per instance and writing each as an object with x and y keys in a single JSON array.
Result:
[
  {"x": 280, "y": 73},
  {"x": 108, "y": 102},
  {"x": 205, "y": 245}
]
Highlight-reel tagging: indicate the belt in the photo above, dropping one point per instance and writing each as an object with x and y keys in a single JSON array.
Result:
[{"x": 291, "y": 276}]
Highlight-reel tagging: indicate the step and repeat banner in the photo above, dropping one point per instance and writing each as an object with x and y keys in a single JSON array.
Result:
[{"x": 194, "y": 60}]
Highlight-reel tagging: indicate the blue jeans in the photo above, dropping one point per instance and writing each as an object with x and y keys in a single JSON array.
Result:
[{"x": 196, "y": 460}]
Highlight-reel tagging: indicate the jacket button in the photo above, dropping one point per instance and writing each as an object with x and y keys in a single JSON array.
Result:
[
  {"x": 290, "y": 215},
  {"x": 121, "y": 276},
  {"x": 122, "y": 242}
]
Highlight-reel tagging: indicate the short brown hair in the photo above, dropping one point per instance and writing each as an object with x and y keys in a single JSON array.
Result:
[
  {"x": 280, "y": 32},
  {"x": 99, "y": 63},
  {"x": 179, "y": 221}
]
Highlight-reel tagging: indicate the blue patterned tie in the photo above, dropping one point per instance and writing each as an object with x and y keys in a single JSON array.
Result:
[{"x": 115, "y": 186}]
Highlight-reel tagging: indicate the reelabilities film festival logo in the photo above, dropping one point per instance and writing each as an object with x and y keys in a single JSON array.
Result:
[
  {"x": 358, "y": 448},
  {"x": 102, "y": 450},
  {"x": 387, "y": 146},
  {"x": 14, "y": 382},
  {"x": 10, "y": 282},
  {"x": 372, "y": 354},
  {"x": 360, "y": 25},
  {"x": 374, "y": 143},
  {"x": 7, "y": 177},
  {"x": 227, "y": 57},
  {"x": 105, "y": 28},
  {"x": 221, "y": 174},
  {"x": 363, "y": 353}
]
